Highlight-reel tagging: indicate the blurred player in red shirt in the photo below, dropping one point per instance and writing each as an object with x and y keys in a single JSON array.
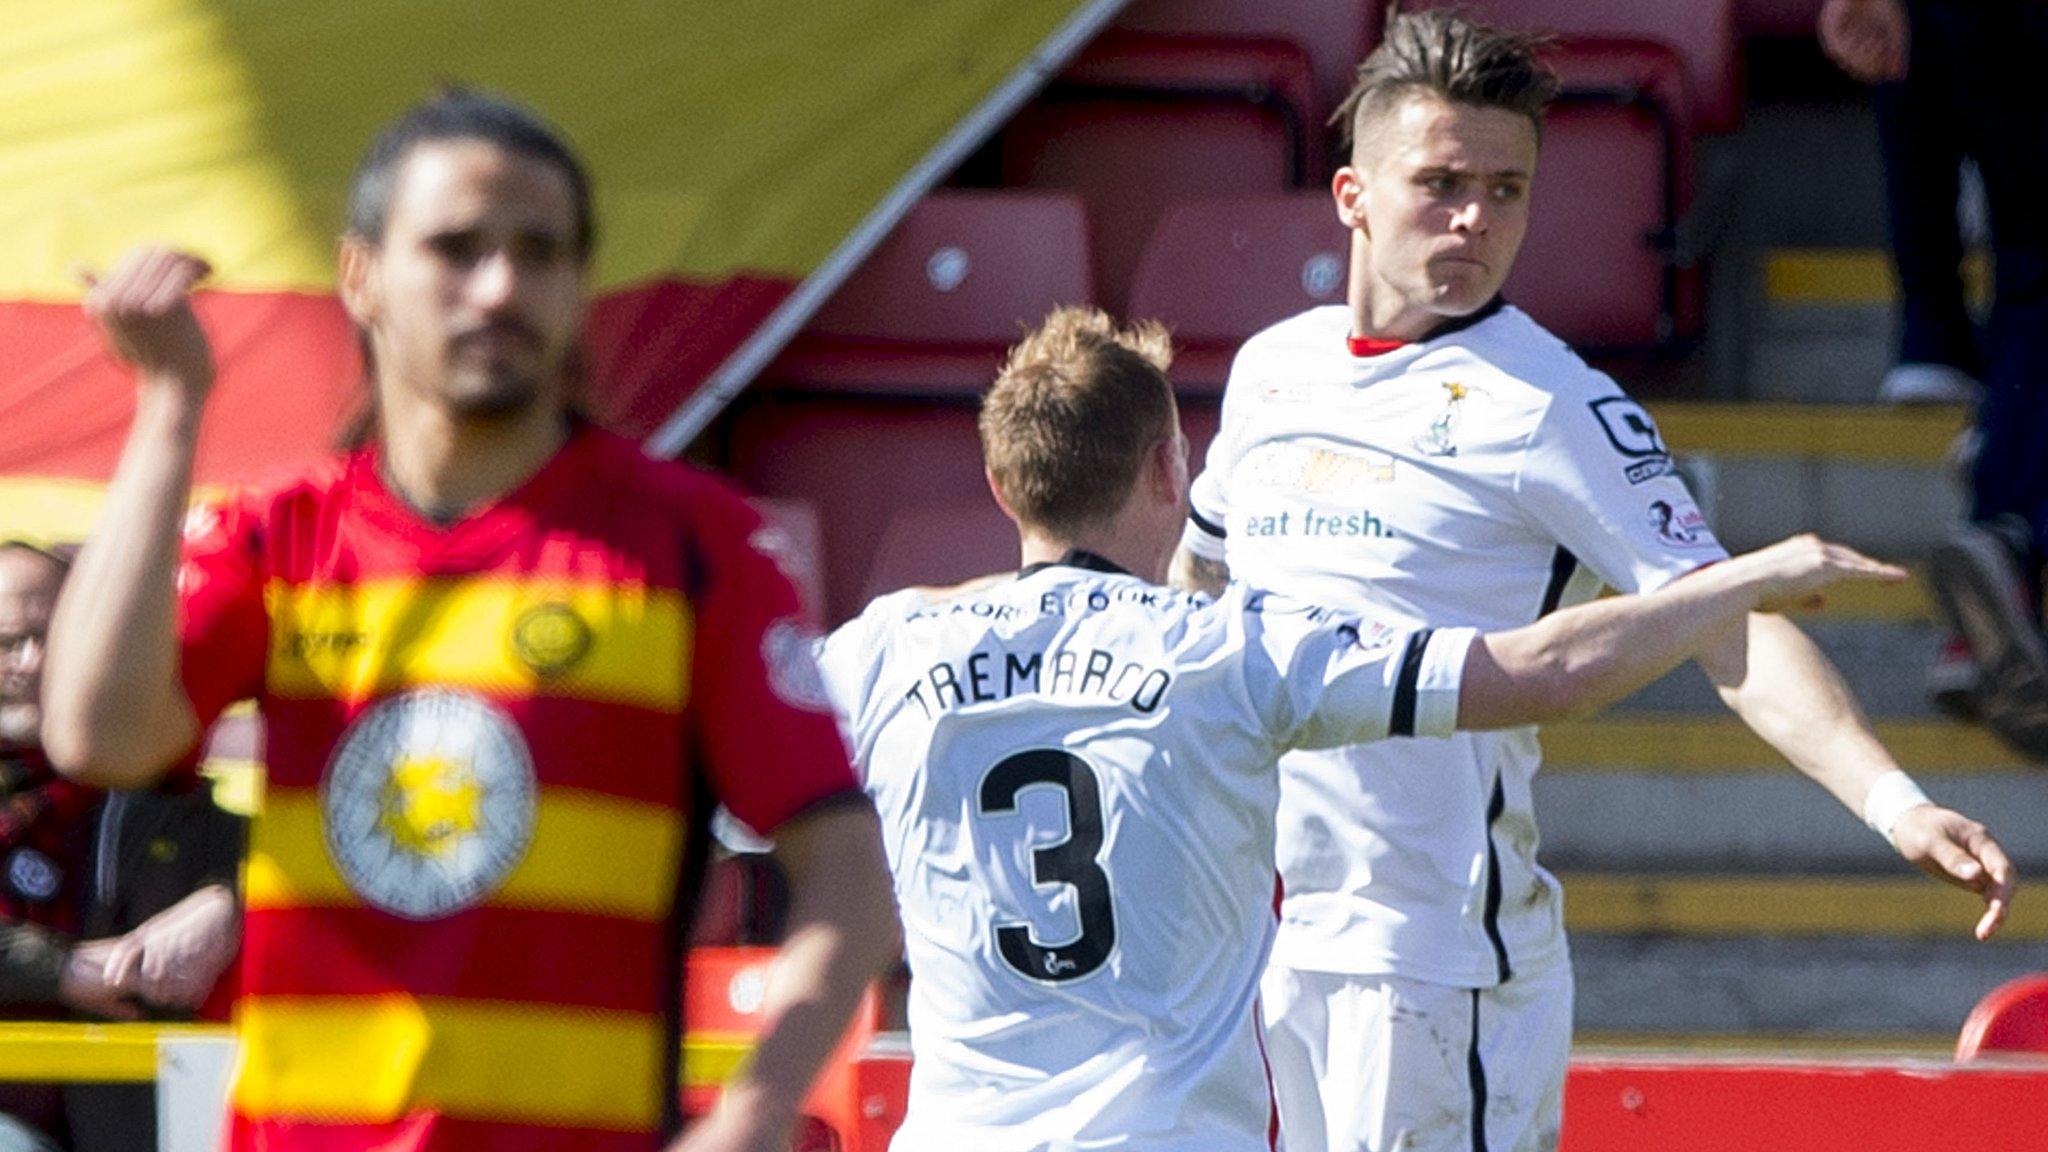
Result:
[{"x": 508, "y": 667}]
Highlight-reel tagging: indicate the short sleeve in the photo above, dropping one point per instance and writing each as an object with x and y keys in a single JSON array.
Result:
[
  {"x": 223, "y": 629},
  {"x": 1334, "y": 678},
  {"x": 1598, "y": 477},
  {"x": 759, "y": 710}
]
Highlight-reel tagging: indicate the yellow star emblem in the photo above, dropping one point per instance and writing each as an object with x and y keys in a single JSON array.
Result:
[{"x": 429, "y": 804}]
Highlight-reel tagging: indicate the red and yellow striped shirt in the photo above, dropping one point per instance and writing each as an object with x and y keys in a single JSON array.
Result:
[{"x": 492, "y": 748}]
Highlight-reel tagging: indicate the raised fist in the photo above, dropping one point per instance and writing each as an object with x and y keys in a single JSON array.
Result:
[{"x": 144, "y": 311}]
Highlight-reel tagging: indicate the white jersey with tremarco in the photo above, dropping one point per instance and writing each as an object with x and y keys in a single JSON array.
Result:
[
  {"x": 1482, "y": 478},
  {"x": 1075, "y": 775}
]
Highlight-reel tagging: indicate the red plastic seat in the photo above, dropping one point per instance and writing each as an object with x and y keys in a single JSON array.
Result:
[
  {"x": 1336, "y": 34},
  {"x": 933, "y": 307},
  {"x": 898, "y": 487},
  {"x": 863, "y": 464},
  {"x": 1597, "y": 267},
  {"x": 1217, "y": 271},
  {"x": 1702, "y": 32},
  {"x": 1140, "y": 121},
  {"x": 2013, "y": 1017}
]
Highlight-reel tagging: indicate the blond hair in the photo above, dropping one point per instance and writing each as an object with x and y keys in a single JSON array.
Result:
[
  {"x": 1440, "y": 52},
  {"x": 1066, "y": 426}
]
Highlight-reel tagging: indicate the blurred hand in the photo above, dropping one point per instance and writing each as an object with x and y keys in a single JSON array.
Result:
[
  {"x": 144, "y": 312},
  {"x": 1950, "y": 846},
  {"x": 1868, "y": 39},
  {"x": 172, "y": 959},
  {"x": 82, "y": 985},
  {"x": 1792, "y": 572}
]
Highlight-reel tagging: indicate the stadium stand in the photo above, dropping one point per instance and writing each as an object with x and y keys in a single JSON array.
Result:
[
  {"x": 932, "y": 309},
  {"x": 1336, "y": 34},
  {"x": 1599, "y": 267},
  {"x": 865, "y": 463},
  {"x": 2012, "y": 1018},
  {"x": 868, "y": 419},
  {"x": 897, "y": 484},
  {"x": 1141, "y": 120},
  {"x": 1218, "y": 270},
  {"x": 1702, "y": 32}
]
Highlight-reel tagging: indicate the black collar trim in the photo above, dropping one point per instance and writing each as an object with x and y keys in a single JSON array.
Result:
[{"x": 1075, "y": 558}]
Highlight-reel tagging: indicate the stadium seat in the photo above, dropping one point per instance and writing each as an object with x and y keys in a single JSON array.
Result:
[
  {"x": 932, "y": 308},
  {"x": 1702, "y": 32},
  {"x": 2013, "y": 1017},
  {"x": 1597, "y": 267},
  {"x": 898, "y": 487},
  {"x": 1219, "y": 270},
  {"x": 1140, "y": 121},
  {"x": 1336, "y": 34},
  {"x": 864, "y": 464}
]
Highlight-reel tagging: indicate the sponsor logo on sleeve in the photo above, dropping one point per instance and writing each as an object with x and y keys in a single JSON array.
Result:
[
  {"x": 1679, "y": 525},
  {"x": 1634, "y": 435},
  {"x": 1370, "y": 635}
]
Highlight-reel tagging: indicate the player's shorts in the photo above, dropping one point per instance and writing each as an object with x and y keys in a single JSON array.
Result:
[{"x": 1379, "y": 1064}]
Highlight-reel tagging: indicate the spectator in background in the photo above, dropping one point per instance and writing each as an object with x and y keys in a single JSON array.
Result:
[
  {"x": 112, "y": 907},
  {"x": 1959, "y": 78}
]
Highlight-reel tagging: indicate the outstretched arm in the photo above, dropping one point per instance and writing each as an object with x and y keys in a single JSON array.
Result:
[
  {"x": 115, "y": 714},
  {"x": 843, "y": 933},
  {"x": 1781, "y": 685},
  {"x": 1584, "y": 658}
]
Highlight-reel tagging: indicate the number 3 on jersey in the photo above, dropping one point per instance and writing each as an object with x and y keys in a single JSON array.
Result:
[{"x": 1071, "y": 862}]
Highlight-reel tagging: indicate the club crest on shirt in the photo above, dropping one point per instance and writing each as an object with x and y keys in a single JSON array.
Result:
[
  {"x": 32, "y": 875},
  {"x": 1441, "y": 437},
  {"x": 790, "y": 652},
  {"x": 429, "y": 803},
  {"x": 1680, "y": 526},
  {"x": 550, "y": 639}
]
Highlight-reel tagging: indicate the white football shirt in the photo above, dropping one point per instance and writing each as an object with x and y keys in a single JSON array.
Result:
[
  {"x": 1483, "y": 477},
  {"x": 1075, "y": 776}
]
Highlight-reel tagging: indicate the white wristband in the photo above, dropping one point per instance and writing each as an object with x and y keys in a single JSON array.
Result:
[{"x": 1890, "y": 796}]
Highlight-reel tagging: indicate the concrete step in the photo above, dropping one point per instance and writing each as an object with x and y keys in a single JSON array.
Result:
[
  {"x": 1885, "y": 665},
  {"x": 1731, "y": 906},
  {"x": 1855, "y": 992},
  {"x": 1822, "y": 322},
  {"x": 1874, "y": 477},
  {"x": 1720, "y": 743},
  {"x": 1765, "y": 823}
]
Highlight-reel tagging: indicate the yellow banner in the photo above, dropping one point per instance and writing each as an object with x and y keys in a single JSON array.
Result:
[{"x": 723, "y": 138}]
